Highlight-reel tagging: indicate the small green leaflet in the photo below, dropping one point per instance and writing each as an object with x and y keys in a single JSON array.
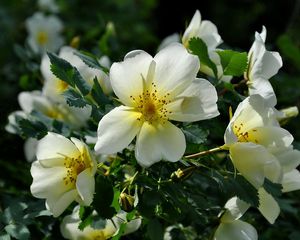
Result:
[
  {"x": 199, "y": 48},
  {"x": 233, "y": 63},
  {"x": 73, "y": 98},
  {"x": 67, "y": 73},
  {"x": 91, "y": 61}
]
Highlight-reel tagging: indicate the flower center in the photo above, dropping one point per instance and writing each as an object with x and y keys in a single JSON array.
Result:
[
  {"x": 61, "y": 86},
  {"x": 245, "y": 136},
  {"x": 74, "y": 167},
  {"x": 97, "y": 235},
  {"x": 42, "y": 38},
  {"x": 152, "y": 106}
]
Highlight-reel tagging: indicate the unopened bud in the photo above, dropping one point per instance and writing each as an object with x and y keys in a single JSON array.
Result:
[
  {"x": 182, "y": 174},
  {"x": 127, "y": 202},
  {"x": 288, "y": 113},
  {"x": 75, "y": 42}
]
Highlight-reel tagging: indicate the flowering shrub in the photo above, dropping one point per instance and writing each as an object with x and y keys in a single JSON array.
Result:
[{"x": 185, "y": 144}]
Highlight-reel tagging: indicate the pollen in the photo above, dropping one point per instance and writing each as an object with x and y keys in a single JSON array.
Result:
[
  {"x": 75, "y": 166},
  {"x": 152, "y": 106},
  {"x": 245, "y": 136},
  {"x": 61, "y": 86},
  {"x": 42, "y": 38}
]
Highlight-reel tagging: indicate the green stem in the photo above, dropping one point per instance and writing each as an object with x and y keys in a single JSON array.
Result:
[{"x": 203, "y": 153}]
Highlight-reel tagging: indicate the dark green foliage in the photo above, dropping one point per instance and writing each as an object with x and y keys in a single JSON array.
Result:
[
  {"x": 64, "y": 71},
  {"x": 233, "y": 63},
  {"x": 103, "y": 205},
  {"x": 199, "y": 48}
]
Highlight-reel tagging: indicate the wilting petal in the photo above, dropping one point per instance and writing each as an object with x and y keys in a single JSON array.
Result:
[
  {"x": 159, "y": 142},
  {"x": 268, "y": 206},
  {"x": 237, "y": 229},
  {"x": 127, "y": 76},
  {"x": 85, "y": 185},
  {"x": 199, "y": 102},
  {"x": 255, "y": 163},
  {"x": 117, "y": 129},
  {"x": 291, "y": 181},
  {"x": 175, "y": 69}
]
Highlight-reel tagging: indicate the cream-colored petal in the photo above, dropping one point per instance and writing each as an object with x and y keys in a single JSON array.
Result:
[
  {"x": 30, "y": 149},
  {"x": 117, "y": 129},
  {"x": 58, "y": 205},
  {"x": 199, "y": 102},
  {"x": 208, "y": 32},
  {"x": 236, "y": 230},
  {"x": 159, "y": 142},
  {"x": 264, "y": 89},
  {"x": 85, "y": 185},
  {"x": 54, "y": 145},
  {"x": 255, "y": 163},
  {"x": 235, "y": 208},
  {"x": 175, "y": 70},
  {"x": 266, "y": 66},
  {"x": 127, "y": 77},
  {"x": 289, "y": 158},
  {"x": 269, "y": 136},
  {"x": 192, "y": 29},
  {"x": 268, "y": 207},
  {"x": 47, "y": 181},
  {"x": 173, "y": 38},
  {"x": 291, "y": 181}
]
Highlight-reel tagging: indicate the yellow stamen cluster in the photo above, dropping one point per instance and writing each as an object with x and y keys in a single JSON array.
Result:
[
  {"x": 42, "y": 38},
  {"x": 152, "y": 106},
  {"x": 61, "y": 86},
  {"x": 75, "y": 165},
  {"x": 244, "y": 136}
]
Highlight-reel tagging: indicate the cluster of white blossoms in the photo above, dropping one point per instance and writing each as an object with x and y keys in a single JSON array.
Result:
[{"x": 155, "y": 93}]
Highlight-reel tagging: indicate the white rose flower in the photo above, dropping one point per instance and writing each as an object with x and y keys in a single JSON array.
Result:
[
  {"x": 69, "y": 227},
  {"x": 231, "y": 227},
  {"x": 259, "y": 148},
  {"x": 34, "y": 100},
  {"x": 44, "y": 32},
  {"x": 63, "y": 173},
  {"x": 154, "y": 91},
  {"x": 54, "y": 87},
  {"x": 205, "y": 30},
  {"x": 262, "y": 65}
]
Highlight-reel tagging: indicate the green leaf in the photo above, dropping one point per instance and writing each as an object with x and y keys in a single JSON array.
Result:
[
  {"x": 4, "y": 236},
  {"x": 155, "y": 230},
  {"x": 98, "y": 94},
  {"x": 18, "y": 231},
  {"x": 74, "y": 99},
  {"x": 199, "y": 48},
  {"x": 103, "y": 197},
  {"x": 91, "y": 61},
  {"x": 289, "y": 49},
  {"x": 68, "y": 73},
  {"x": 275, "y": 189},
  {"x": 34, "y": 129},
  {"x": 195, "y": 134},
  {"x": 233, "y": 63}
]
